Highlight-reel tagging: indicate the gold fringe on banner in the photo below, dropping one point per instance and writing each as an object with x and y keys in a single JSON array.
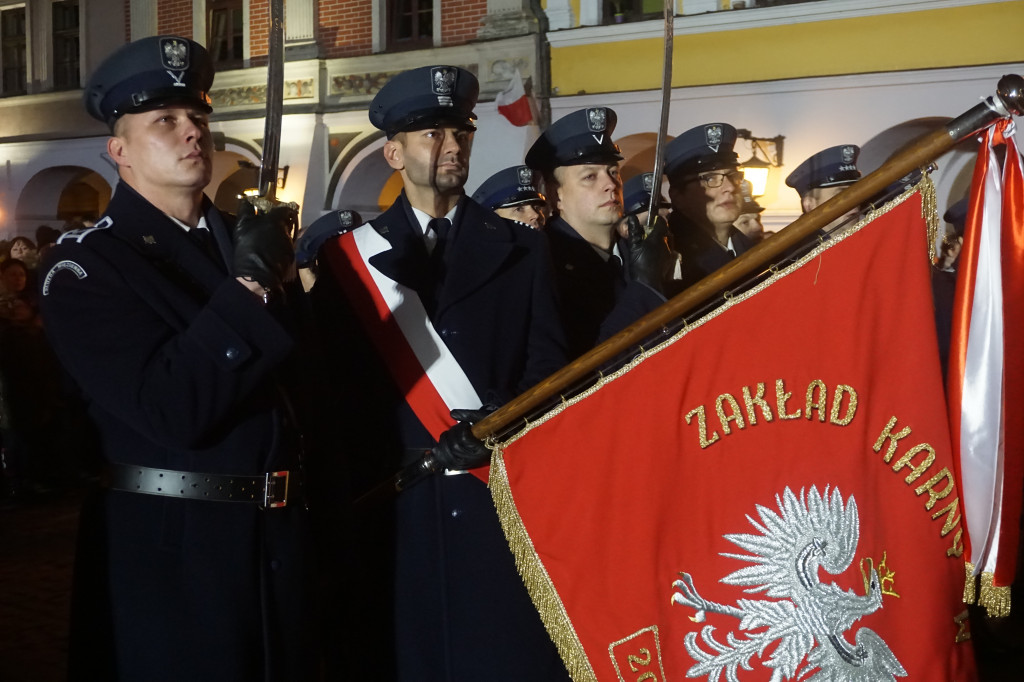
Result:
[
  {"x": 535, "y": 576},
  {"x": 996, "y": 600},
  {"x": 970, "y": 591}
]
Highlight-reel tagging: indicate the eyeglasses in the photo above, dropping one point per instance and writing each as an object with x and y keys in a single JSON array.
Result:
[{"x": 713, "y": 180}]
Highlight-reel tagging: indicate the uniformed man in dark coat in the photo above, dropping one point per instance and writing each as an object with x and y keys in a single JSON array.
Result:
[
  {"x": 605, "y": 280},
  {"x": 193, "y": 561},
  {"x": 822, "y": 176},
  {"x": 704, "y": 189},
  {"x": 438, "y": 304},
  {"x": 512, "y": 193}
]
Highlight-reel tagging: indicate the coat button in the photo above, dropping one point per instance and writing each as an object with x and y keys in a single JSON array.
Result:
[
  {"x": 456, "y": 513},
  {"x": 231, "y": 353}
]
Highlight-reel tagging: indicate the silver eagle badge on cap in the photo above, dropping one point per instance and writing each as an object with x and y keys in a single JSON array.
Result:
[
  {"x": 648, "y": 180},
  {"x": 597, "y": 119},
  {"x": 442, "y": 82},
  {"x": 525, "y": 175},
  {"x": 174, "y": 54},
  {"x": 713, "y": 137}
]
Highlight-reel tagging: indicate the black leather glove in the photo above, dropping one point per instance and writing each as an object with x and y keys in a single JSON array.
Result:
[
  {"x": 263, "y": 245},
  {"x": 458, "y": 448},
  {"x": 650, "y": 259}
]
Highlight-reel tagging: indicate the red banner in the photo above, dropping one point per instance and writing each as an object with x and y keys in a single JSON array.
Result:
[{"x": 768, "y": 495}]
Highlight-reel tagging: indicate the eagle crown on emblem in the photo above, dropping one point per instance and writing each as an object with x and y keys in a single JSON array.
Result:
[
  {"x": 597, "y": 119},
  {"x": 175, "y": 54},
  {"x": 345, "y": 218},
  {"x": 847, "y": 154},
  {"x": 525, "y": 175},
  {"x": 443, "y": 80},
  {"x": 648, "y": 181}
]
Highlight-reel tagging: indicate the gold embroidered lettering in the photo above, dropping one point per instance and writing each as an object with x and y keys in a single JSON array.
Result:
[
  {"x": 915, "y": 471},
  {"x": 702, "y": 426},
  {"x": 962, "y": 621},
  {"x": 837, "y": 403},
  {"x": 816, "y": 395},
  {"x": 781, "y": 396},
  {"x": 952, "y": 512},
  {"x": 735, "y": 415},
  {"x": 957, "y": 549},
  {"x": 933, "y": 494},
  {"x": 750, "y": 401},
  {"x": 893, "y": 438},
  {"x": 633, "y": 660}
]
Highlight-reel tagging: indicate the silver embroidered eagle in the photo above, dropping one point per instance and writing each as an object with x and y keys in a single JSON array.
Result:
[{"x": 809, "y": 619}]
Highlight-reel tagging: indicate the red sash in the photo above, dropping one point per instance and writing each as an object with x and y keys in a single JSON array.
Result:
[{"x": 421, "y": 365}]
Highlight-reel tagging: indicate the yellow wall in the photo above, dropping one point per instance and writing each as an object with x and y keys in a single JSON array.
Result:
[{"x": 958, "y": 36}]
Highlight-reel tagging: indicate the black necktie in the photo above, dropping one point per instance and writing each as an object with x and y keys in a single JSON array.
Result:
[
  {"x": 440, "y": 226},
  {"x": 204, "y": 240}
]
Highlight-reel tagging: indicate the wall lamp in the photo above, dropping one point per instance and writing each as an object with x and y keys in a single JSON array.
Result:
[{"x": 765, "y": 154}]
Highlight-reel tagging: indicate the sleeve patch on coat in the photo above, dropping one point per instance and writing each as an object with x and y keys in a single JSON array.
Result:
[{"x": 71, "y": 265}]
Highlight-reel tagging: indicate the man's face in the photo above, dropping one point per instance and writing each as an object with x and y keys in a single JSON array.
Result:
[
  {"x": 750, "y": 225},
  {"x": 164, "y": 148},
  {"x": 818, "y": 196},
  {"x": 589, "y": 195},
  {"x": 14, "y": 278},
  {"x": 528, "y": 214},
  {"x": 434, "y": 158},
  {"x": 696, "y": 198}
]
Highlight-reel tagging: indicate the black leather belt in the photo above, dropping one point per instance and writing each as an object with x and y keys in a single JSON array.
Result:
[{"x": 269, "y": 491}]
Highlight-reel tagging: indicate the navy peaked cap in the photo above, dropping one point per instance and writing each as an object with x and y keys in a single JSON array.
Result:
[
  {"x": 636, "y": 194},
  {"x": 583, "y": 136},
  {"x": 147, "y": 74},
  {"x": 707, "y": 147},
  {"x": 426, "y": 97},
  {"x": 828, "y": 168},
  {"x": 956, "y": 215},
  {"x": 320, "y": 230},
  {"x": 750, "y": 204},
  {"x": 509, "y": 187}
]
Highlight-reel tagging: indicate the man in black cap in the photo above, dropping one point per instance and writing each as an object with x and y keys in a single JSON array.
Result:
[
  {"x": 512, "y": 193},
  {"x": 824, "y": 175},
  {"x": 944, "y": 274},
  {"x": 636, "y": 196},
  {"x": 193, "y": 560},
  {"x": 704, "y": 188},
  {"x": 749, "y": 222},
  {"x": 435, "y": 308},
  {"x": 605, "y": 280}
]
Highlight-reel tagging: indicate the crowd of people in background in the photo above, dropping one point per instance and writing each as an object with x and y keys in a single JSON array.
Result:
[{"x": 44, "y": 435}]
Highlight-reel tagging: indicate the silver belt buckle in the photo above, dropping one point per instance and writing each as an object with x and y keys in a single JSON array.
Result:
[{"x": 275, "y": 490}]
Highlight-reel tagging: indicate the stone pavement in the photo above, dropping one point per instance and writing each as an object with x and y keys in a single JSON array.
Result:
[{"x": 36, "y": 555}]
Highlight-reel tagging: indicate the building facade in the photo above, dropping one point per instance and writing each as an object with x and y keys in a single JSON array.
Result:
[{"x": 814, "y": 72}]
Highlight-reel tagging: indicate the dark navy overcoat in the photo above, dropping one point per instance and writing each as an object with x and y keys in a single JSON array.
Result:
[
  {"x": 183, "y": 369},
  {"x": 433, "y": 590}
]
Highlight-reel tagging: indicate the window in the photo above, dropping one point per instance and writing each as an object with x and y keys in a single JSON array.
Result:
[
  {"x": 225, "y": 39},
  {"x": 12, "y": 52},
  {"x": 410, "y": 24},
  {"x": 65, "y": 45}
]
